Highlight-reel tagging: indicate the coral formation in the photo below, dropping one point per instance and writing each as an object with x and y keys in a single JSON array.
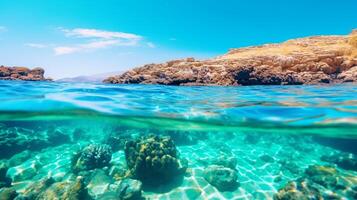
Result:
[
  {"x": 91, "y": 157},
  {"x": 153, "y": 159}
]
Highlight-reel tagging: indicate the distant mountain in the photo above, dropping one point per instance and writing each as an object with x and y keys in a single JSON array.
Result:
[{"x": 91, "y": 78}]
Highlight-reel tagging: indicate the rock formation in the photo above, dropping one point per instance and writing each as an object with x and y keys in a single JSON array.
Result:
[
  {"x": 22, "y": 73},
  {"x": 311, "y": 60}
]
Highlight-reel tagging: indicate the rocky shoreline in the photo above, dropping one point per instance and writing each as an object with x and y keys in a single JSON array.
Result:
[
  {"x": 311, "y": 60},
  {"x": 22, "y": 73}
]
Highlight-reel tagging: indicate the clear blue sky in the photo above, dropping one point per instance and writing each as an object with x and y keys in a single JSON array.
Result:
[{"x": 82, "y": 37}]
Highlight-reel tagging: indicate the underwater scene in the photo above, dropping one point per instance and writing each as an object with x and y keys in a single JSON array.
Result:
[{"x": 98, "y": 141}]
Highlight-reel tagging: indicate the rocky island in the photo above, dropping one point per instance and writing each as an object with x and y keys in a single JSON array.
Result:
[
  {"x": 310, "y": 60},
  {"x": 22, "y": 73}
]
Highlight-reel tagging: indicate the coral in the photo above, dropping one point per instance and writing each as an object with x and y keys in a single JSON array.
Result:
[
  {"x": 91, "y": 157},
  {"x": 153, "y": 159}
]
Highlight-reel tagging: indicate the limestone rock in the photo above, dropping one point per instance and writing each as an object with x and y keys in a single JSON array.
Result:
[
  {"x": 311, "y": 60},
  {"x": 130, "y": 189},
  {"x": 223, "y": 178},
  {"x": 22, "y": 73}
]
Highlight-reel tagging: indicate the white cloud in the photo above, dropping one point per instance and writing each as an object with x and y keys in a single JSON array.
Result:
[
  {"x": 65, "y": 50},
  {"x": 36, "y": 45},
  {"x": 151, "y": 45},
  {"x": 95, "y": 33},
  {"x": 96, "y": 39}
]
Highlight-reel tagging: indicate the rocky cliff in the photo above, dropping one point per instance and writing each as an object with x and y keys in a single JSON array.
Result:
[
  {"x": 22, "y": 73},
  {"x": 311, "y": 60}
]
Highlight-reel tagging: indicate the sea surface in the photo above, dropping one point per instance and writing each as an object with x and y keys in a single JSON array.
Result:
[{"x": 76, "y": 141}]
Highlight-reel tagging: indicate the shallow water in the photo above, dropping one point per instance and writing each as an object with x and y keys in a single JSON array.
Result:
[{"x": 266, "y": 135}]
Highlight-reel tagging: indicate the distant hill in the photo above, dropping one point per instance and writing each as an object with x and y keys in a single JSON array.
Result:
[{"x": 91, "y": 78}]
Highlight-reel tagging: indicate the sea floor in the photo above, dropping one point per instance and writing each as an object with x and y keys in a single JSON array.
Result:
[{"x": 265, "y": 163}]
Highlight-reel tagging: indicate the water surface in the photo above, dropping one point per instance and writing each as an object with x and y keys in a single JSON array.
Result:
[{"x": 273, "y": 134}]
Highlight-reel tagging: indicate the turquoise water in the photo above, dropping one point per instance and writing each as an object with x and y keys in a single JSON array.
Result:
[{"x": 98, "y": 141}]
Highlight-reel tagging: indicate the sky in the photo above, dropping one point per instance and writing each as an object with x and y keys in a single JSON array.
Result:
[{"x": 69, "y": 38}]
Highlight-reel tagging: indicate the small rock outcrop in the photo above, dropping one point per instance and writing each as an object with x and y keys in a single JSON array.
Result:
[
  {"x": 223, "y": 178},
  {"x": 22, "y": 73},
  {"x": 311, "y": 60},
  {"x": 130, "y": 189}
]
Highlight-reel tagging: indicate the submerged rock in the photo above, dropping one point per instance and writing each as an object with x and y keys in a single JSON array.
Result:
[
  {"x": 13, "y": 140},
  {"x": 57, "y": 137},
  {"x": 223, "y": 178},
  {"x": 68, "y": 190},
  {"x": 99, "y": 183},
  {"x": 267, "y": 158},
  {"x": 289, "y": 166},
  {"x": 8, "y": 193},
  {"x": 130, "y": 189},
  {"x": 117, "y": 142},
  {"x": 36, "y": 189},
  {"x": 346, "y": 161},
  {"x": 183, "y": 137},
  {"x": 153, "y": 159},
  {"x": 4, "y": 180},
  {"x": 19, "y": 158},
  {"x": 24, "y": 171},
  {"x": 91, "y": 157},
  {"x": 224, "y": 160},
  {"x": 299, "y": 190}
]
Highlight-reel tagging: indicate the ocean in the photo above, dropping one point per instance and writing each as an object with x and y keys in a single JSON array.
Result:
[{"x": 102, "y": 141}]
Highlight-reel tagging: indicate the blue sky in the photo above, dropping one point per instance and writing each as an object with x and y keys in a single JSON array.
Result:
[{"x": 83, "y": 37}]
